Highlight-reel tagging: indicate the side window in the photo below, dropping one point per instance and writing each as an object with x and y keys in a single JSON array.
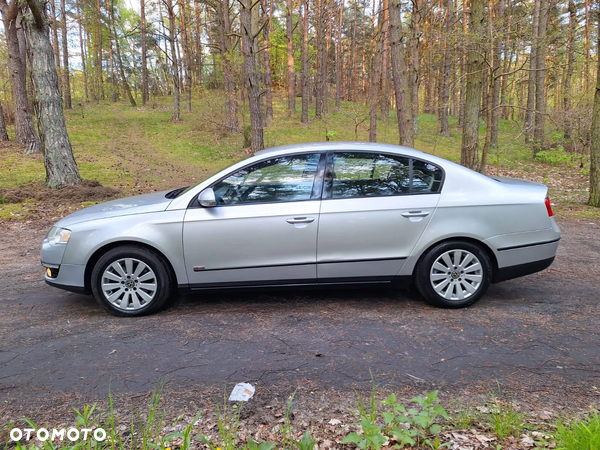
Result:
[
  {"x": 427, "y": 178},
  {"x": 369, "y": 175},
  {"x": 283, "y": 179}
]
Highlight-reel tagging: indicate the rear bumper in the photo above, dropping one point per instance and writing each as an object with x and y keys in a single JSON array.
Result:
[{"x": 520, "y": 270}]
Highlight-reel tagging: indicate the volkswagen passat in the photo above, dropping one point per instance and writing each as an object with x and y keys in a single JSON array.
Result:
[{"x": 305, "y": 215}]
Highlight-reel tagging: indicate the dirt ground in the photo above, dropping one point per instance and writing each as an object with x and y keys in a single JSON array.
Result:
[{"x": 534, "y": 340}]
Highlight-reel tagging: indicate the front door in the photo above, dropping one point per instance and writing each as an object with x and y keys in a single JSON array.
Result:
[{"x": 263, "y": 229}]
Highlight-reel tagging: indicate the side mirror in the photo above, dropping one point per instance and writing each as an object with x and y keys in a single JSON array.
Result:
[{"x": 206, "y": 198}]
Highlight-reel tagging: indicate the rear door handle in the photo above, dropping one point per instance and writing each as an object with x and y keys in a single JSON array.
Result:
[
  {"x": 301, "y": 220},
  {"x": 410, "y": 214}
]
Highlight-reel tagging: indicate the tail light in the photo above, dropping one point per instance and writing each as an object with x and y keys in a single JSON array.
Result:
[{"x": 549, "y": 207}]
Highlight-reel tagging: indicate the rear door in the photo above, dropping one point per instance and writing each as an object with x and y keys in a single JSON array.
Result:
[{"x": 375, "y": 207}]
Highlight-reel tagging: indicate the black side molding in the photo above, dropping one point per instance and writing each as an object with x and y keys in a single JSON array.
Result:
[
  {"x": 508, "y": 273},
  {"x": 528, "y": 245},
  {"x": 76, "y": 289}
]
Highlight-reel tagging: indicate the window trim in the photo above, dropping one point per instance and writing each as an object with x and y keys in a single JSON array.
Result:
[
  {"x": 329, "y": 171},
  {"x": 316, "y": 192}
]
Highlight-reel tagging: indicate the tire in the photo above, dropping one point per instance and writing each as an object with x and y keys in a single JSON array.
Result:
[
  {"x": 131, "y": 281},
  {"x": 453, "y": 274}
]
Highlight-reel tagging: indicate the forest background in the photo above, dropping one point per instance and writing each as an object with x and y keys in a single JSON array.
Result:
[{"x": 170, "y": 90}]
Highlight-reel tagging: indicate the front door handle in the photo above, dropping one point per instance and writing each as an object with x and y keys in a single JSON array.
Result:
[
  {"x": 301, "y": 220},
  {"x": 410, "y": 214}
]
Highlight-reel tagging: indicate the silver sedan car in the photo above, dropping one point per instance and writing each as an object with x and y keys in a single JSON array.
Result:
[{"x": 316, "y": 214}]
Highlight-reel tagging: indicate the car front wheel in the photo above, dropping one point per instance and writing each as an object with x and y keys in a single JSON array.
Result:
[
  {"x": 454, "y": 274},
  {"x": 131, "y": 281}
]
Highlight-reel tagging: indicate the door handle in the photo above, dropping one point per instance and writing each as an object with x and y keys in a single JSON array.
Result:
[
  {"x": 301, "y": 220},
  {"x": 410, "y": 214}
]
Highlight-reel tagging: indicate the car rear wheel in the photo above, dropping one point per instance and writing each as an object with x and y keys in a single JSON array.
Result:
[
  {"x": 454, "y": 274},
  {"x": 131, "y": 281}
]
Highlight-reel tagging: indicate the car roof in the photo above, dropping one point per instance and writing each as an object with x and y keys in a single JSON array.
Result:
[{"x": 340, "y": 145}]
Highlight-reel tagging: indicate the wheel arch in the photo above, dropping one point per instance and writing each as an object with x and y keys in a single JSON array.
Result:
[
  {"x": 490, "y": 253},
  {"x": 89, "y": 267}
]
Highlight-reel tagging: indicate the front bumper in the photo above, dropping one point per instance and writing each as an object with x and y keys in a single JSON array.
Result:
[{"x": 70, "y": 277}]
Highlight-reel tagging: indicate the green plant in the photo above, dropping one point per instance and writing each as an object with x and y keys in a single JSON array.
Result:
[
  {"x": 505, "y": 421},
  {"x": 251, "y": 445},
  {"x": 228, "y": 429},
  {"x": 554, "y": 156},
  {"x": 186, "y": 436},
  {"x": 371, "y": 438},
  {"x": 578, "y": 434},
  {"x": 415, "y": 425},
  {"x": 306, "y": 443},
  {"x": 330, "y": 135},
  {"x": 464, "y": 415},
  {"x": 286, "y": 428},
  {"x": 247, "y": 136}
]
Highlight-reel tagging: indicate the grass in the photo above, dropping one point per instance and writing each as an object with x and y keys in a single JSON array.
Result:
[
  {"x": 140, "y": 149},
  {"x": 383, "y": 423},
  {"x": 579, "y": 434}
]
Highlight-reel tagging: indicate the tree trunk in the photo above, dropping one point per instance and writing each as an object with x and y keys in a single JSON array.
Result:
[
  {"x": 266, "y": 16},
  {"x": 415, "y": 60},
  {"x": 496, "y": 75},
  {"x": 98, "y": 53},
  {"x": 291, "y": 83},
  {"x": 385, "y": 61},
  {"x": 174, "y": 63},
  {"x": 111, "y": 55},
  {"x": 251, "y": 74},
  {"x": 463, "y": 63},
  {"x": 338, "y": 57},
  {"x": 320, "y": 46},
  {"x": 185, "y": 47},
  {"x": 65, "y": 55},
  {"x": 82, "y": 49},
  {"x": 3, "y": 133},
  {"x": 401, "y": 84},
  {"x": 124, "y": 81},
  {"x": 145, "y": 92},
  {"x": 374, "y": 75},
  {"x": 446, "y": 68},
  {"x": 585, "y": 73},
  {"x": 533, "y": 65},
  {"x": 53, "y": 23},
  {"x": 352, "y": 82},
  {"x": 594, "y": 199},
  {"x": 61, "y": 168},
  {"x": 470, "y": 141},
  {"x": 199, "y": 49},
  {"x": 539, "y": 119},
  {"x": 228, "y": 75},
  {"x": 24, "y": 128},
  {"x": 569, "y": 69},
  {"x": 304, "y": 69}
]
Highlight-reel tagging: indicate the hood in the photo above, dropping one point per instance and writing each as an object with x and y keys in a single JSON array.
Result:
[{"x": 140, "y": 204}]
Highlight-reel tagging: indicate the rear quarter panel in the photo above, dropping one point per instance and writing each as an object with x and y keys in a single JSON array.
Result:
[{"x": 486, "y": 210}]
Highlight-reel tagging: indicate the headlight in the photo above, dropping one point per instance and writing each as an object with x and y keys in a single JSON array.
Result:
[{"x": 58, "y": 236}]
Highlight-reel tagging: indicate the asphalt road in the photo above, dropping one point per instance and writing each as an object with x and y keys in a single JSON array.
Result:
[{"x": 537, "y": 334}]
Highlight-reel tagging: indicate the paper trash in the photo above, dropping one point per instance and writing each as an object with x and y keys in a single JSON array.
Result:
[{"x": 242, "y": 392}]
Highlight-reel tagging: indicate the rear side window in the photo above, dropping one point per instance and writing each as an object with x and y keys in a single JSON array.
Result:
[
  {"x": 357, "y": 174},
  {"x": 369, "y": 175},
  {"x": 427, "y": 177}
]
